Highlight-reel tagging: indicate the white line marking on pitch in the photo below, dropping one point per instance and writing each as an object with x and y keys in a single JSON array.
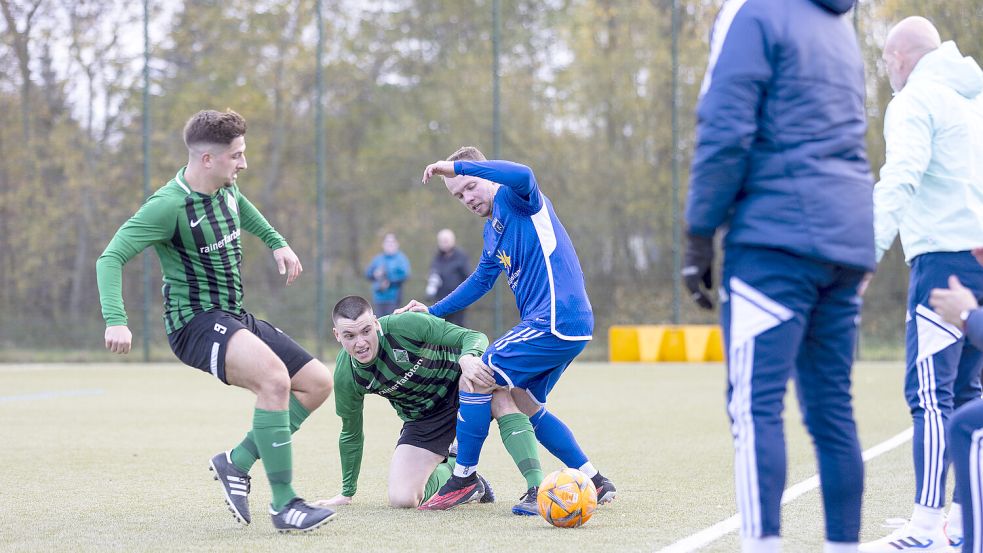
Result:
[
  {"x": 709, "y": 535},
  {"x": 51, "y": 395}
]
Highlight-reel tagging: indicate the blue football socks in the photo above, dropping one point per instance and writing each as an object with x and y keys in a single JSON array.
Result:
[
  {"x": 473, "y": 419},
  {"x": 556, "y": 438}
]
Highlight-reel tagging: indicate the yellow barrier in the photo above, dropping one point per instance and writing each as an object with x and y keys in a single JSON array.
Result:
[{"x": 665, "y": 343}]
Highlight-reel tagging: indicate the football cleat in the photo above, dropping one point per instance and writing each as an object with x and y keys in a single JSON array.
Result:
[
  {"x": 489, "y": 495},
  {"x": 606, "y": 492},
  {"x": 235, "y": 486},
  {"x": 454, "y": 492},
  {"x": 527, "y": 503},
  {"x": 298, "y": 516}
]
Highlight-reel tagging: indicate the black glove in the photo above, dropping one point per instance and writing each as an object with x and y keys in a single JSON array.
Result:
[{"x": 697, "y": 268}]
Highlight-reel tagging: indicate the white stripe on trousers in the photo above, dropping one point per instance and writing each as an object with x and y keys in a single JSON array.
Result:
[
  {"x": 742, "y": 428},
  {"x": 975, "y": 491},
  {"x": 527, "y": 334},
  {"x": 933, "y": 435}
]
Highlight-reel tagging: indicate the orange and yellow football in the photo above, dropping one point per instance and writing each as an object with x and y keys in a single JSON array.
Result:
[{"x": 567, "y": 498}]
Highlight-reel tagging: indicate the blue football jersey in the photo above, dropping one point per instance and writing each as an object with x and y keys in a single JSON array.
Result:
[{"x": 525, "y": 241}]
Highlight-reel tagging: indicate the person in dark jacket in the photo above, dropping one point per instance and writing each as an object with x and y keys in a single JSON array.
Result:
[
  {"x": 449, "y": 268},
  {"x": 780, "y": 164}
]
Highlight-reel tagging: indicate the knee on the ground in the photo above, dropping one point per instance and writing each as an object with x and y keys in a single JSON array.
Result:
[{"x": 405, "y": 499}]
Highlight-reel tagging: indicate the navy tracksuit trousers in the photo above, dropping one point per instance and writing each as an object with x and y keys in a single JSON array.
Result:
[{"x": 785, "y": 317}]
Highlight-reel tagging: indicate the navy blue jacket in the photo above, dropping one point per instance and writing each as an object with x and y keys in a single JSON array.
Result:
[{"x": 780, "y": 156}]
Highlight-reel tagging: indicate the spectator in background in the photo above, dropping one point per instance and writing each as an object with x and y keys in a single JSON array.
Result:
[
  {"x": 387, "y": 272},
  {"x": 449, "y": 268}
]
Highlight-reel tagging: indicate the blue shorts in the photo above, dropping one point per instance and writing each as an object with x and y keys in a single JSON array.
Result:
[{"x": 531, "y": 359}]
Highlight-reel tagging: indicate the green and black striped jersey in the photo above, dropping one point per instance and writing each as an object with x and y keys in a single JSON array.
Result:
[
  {"x": 197, "y": 239},
  {"x": 416, "y": 369}
]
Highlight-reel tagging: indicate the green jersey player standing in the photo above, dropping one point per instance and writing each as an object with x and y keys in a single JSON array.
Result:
[
  {"x": 417, "y": 362},
  {"x": 194, "y": 223}
]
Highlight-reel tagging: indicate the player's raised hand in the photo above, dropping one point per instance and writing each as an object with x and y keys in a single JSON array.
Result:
[
  {"x": 333, "y": 502},
  {"x": 414, "y": 306},
  {"x": 287, "y": 263},
  {"x": 118, "y": 339},
  {"x": 479, "y": 374},
  {"x": 442, "y": 168}
]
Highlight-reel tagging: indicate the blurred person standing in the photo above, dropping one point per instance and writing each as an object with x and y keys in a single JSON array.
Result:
[
  {"x": 387, "y": 272},
  {"x": 931, "y": 193},
  {"x": 781, "y": 164},
  {"x": 449, "y": 268}
]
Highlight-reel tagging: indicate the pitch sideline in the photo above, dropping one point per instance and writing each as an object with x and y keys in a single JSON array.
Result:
[{"x": 713, "y": 533}]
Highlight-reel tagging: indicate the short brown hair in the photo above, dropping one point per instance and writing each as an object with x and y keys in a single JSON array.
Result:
[
  {"x": 214, "y": 127},
  {"x": 350, "y": 307},
  {"x": 467, "y": 153}
]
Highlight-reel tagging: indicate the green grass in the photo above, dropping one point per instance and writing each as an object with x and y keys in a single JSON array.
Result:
[{"x": 126, "y": 469}]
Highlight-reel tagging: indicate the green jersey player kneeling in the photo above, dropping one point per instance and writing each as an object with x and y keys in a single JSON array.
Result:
[{"x": 417, "y": 362}]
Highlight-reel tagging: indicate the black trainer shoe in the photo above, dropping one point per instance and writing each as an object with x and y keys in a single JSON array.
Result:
[
  {"x": 606, "y": 492},
  {"x": 454, "y": 492},
  {"x": 298, "y": 516},
  {"x": 527, "y": 505},
  {"x": 235, "y": 486},
  {"x": 489, "y": 495}
]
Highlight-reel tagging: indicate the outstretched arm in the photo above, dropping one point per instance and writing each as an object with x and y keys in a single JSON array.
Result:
[
  {"x": 154, "y": 222},
  {"x": 515, "y": 177},
  {"x": 252, "y": 221},
  {"x": 471, "y": 290},
  {"x": 348, "y": 406}
]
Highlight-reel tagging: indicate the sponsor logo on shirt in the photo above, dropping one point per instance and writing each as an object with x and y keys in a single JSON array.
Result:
[
  {"x": 406, "y": 377},
  {"x": 225, "y": 241},
  {"x": 498, "y": 226},
  {"x": 506, "y": 262},
  {"x": 504, "y": 259}
]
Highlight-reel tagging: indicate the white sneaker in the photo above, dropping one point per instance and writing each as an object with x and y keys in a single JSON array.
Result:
[
  {"x": 908, "y": 538},
  {"x": 955, "y": 537}
]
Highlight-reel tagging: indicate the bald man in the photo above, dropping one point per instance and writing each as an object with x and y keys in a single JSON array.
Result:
[
  {"x": 931, "y": 192},
  {"x": 449, "y": 268}
]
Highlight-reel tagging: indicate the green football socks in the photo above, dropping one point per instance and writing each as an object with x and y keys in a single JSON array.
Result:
[
  {"x": 245, "y": 455},
  {"x": 520, "y": 441},
  {"x": 271, "y": 430},
  {"x": 439, "y": 475}
]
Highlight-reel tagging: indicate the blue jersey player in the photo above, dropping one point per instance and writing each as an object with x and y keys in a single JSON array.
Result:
[{"x": 523, "y": 239}]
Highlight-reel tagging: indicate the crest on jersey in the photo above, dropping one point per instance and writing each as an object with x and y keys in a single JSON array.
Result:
[
  {"x": 498, "y": 226},
  {"x": 231, "y": 200},
  {"x": 504, "y": 259},
  {"x": 401, "y": 356}
]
